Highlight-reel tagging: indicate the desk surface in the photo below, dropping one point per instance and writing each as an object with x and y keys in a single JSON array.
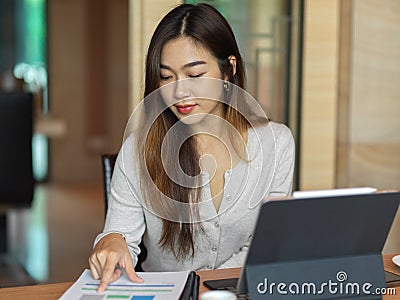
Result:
[{"x": 54, "y": 291}]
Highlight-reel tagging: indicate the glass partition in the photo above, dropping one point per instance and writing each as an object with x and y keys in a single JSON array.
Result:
[{"x": 269, "y": 34}]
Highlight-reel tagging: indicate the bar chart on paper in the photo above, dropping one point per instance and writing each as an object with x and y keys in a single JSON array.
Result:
[{"x": 157, "y": 285}]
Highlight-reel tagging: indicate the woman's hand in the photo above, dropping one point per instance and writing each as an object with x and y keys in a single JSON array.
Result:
[{"x": 109, "y": 252}]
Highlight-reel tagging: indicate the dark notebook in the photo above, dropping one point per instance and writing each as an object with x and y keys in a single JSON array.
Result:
[{"x": 191, "y": 289}]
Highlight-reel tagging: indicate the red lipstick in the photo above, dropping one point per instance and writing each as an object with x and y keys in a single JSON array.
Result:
[{"x": 185, "y": 109}]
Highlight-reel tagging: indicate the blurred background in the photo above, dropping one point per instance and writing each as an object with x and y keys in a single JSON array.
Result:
[{"x": 329, "y": 69}]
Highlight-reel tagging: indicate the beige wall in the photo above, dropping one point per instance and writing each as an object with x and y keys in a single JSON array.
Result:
[
  {"x": 75, "y": 157},
  {"x": 319, "y": 98},
  {"x": 350, "y": 124},
  {"x": 373, "y": 104},
  {"x": 351, "y": 89},
  {"x": 374, "y": 140},
  {"x": 67, "y": 87}
]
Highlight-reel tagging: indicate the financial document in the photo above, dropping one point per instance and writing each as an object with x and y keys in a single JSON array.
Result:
[{"x": 157, "y": 285}]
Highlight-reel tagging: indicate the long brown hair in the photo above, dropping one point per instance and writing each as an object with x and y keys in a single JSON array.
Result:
[{"x": 205, "y": 26}]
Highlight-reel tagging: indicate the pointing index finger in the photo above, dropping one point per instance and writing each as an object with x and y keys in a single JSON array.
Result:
[{"x": 109, "y": 275}]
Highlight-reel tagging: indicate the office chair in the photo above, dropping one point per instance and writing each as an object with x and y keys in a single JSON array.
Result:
[
  {"x": 16, "y": 130},
  {"x": 16, "y": 176},
  {"x": 108, "y": 163}
]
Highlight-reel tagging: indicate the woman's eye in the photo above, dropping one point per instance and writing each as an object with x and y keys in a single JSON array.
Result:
[
  {"x": 196, "y": 76},
  {"x": 165, "y": 77}
]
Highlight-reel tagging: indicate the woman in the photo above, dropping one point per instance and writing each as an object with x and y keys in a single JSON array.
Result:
[{"x": 189, "y": 180}]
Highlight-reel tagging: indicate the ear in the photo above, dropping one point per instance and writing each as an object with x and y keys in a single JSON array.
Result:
[{"x": 232, "y": 61}]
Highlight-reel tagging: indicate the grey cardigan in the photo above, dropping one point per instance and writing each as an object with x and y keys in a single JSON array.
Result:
[{"x": 227, "y": 233}]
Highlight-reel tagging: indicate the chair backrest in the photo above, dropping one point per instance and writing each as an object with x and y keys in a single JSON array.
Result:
[
  {"x": 16, "y": 130},
  {"x": 108, "y": 163}
]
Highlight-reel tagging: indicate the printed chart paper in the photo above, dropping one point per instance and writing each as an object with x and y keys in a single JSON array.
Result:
[{"x": 157, "y": 285}]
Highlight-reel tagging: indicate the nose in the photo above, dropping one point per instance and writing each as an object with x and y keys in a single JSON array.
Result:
[{"x": 181, "y": 89}]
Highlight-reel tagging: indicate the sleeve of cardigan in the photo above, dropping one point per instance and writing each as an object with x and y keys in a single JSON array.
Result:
[
  {"x": 125, "y": 213},
  {"x": 283, "y": 179}
]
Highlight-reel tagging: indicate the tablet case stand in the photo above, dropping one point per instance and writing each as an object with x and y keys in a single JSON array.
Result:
[
  {"x": 340, "y": 258},
  {"x": 352, "y": 277}
]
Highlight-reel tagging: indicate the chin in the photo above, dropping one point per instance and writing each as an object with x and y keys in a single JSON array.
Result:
[{"x": 191, "y": 119}]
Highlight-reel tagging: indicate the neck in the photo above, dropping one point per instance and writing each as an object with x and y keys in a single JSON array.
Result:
[{"x": 211, "y": 128}]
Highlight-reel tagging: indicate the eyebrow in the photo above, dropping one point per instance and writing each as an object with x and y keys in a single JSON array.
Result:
[{"x": 188, "y": 65}]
